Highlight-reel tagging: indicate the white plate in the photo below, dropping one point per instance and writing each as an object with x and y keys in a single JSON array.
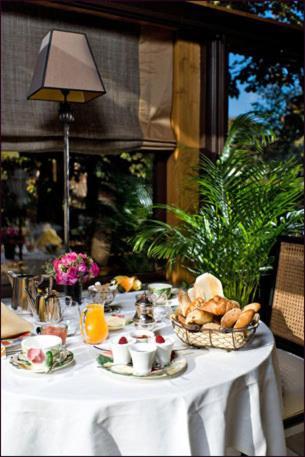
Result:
[{"x": 176, "y": 367}]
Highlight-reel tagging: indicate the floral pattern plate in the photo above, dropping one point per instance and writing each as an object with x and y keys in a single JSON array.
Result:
[
  {"x": 20, "y": 363},
  {"x": 175, "y": 368}
]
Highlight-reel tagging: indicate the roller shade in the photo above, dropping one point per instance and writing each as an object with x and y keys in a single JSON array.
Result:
[{"x": 136, "y": 67}]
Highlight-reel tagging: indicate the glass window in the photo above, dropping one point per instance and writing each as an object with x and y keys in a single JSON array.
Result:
[
  {"x": 273, "y": 90},
  {"x": 110, "y": 196}
]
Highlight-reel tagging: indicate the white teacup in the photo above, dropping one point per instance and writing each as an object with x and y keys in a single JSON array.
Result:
[
  {"x": 160, "y": 289},
  {"x": 143, "y": 356},
  {"x": 120, "y": 351},
  {"x": 41, "y": 350},
  {"x": 164, "y": 351}
]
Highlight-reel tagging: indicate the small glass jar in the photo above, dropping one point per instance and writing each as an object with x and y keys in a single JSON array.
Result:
[{"x": 60, "y": 329}]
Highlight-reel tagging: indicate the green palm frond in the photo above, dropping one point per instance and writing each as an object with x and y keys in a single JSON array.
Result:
[{"x": 246, "y": 204}]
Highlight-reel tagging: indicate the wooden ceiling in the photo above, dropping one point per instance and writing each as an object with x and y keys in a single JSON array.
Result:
[{"x": 242, "y": 32}]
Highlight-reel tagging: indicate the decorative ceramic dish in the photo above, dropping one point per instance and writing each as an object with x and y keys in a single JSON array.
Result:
[
  {"x": 19, "y": 361},
  {"x": 176, "y": 367}
]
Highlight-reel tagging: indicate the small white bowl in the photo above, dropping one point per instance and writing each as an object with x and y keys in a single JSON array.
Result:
[{"x": 120, "y": 352}]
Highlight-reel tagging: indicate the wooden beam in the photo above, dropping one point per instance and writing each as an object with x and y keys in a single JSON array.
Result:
[{"x": 182, "y": 165}]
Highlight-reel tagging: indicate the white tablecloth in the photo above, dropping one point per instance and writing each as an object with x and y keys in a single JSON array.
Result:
[{"x": 223, "y": 399}]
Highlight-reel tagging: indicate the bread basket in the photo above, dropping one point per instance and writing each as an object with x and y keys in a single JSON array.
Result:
[{"x": 229, "y": 339}]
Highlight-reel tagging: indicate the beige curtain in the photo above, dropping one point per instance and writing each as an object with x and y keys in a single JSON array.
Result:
[
  {"x": 136, "y": 68},
  {"x": 156, "y": 88}
]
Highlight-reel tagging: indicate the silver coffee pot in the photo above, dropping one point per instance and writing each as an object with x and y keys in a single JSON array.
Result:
[
  {"x": 46, "y": 305},
  {"x": 20, "y": 282}
]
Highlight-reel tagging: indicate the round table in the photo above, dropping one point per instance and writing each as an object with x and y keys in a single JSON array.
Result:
[{"x": 223, "y": 400}]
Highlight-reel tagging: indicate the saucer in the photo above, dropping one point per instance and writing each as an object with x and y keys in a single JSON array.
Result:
[
  {"x": 20, "y": 362},
  {"x": 117, "y": 321}
]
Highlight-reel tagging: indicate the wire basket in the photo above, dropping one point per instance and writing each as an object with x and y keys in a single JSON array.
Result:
[{"x": 229, "y": 339}]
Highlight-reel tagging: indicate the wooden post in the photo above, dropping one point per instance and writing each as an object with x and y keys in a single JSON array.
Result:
[{"x": 183, "y": 163}]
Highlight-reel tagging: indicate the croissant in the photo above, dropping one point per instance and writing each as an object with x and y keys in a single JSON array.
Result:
[{"x": 218, "y": 305}]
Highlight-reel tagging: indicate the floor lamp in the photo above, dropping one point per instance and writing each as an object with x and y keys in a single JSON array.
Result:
[{"x": 66, "y": 72}]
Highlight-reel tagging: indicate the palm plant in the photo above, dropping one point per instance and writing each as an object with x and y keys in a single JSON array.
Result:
[{"x": 246, "y": 204}]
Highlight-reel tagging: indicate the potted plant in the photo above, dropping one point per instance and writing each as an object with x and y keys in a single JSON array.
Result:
[{"x": 246, "y": 203}]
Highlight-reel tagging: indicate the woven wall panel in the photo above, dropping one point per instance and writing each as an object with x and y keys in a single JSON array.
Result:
[{"x": 287, "y": 319}]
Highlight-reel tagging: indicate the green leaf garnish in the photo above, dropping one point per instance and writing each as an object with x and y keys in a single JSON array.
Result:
[{"x": 102, "y": 359}]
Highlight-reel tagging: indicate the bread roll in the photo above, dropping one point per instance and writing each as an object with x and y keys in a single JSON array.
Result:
[
  {"x": 184, "y": 302},
  {"x": 211, "y": 326},
  {"x": 255, "y": 306},
  {"x": 198, "y": 317},
  {"x": 229, "y": 319},
  {"x": 244, "y": 319},
  {"x": 207, "y": 286}
]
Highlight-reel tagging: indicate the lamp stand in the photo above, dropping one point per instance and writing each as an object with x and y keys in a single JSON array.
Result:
[{"x": 66, "y": 117}]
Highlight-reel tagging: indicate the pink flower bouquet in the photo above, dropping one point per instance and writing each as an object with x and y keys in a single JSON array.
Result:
[{"x": 72, "y": 267}]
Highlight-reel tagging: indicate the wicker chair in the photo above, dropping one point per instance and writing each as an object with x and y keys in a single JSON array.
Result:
[{"x": 287, "y": 325}]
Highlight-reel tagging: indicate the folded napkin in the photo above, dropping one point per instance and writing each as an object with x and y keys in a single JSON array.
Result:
[{"x": 11, "y": 324}]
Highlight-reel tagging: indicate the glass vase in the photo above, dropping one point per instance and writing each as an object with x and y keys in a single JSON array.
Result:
[{"x": 75, "y": 292}]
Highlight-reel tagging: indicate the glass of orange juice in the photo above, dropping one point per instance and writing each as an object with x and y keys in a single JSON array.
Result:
[{"x": 93, "y": 325}]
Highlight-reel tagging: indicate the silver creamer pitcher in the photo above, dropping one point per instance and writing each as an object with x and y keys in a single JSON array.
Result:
[
  {"x": 45, "y": 305},
  {"x": 20, "y": 282}
]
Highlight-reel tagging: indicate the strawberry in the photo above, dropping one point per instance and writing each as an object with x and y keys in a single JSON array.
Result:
[
  {"x": 123, "y": 340},
  {"x": 160, "y": 339}
]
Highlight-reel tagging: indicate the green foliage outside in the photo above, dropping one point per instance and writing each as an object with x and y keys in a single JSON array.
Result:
[{"x": 278, "y": 85}]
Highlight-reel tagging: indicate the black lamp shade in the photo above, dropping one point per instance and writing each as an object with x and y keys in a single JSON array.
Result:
[{"x": 66, "y": 64}]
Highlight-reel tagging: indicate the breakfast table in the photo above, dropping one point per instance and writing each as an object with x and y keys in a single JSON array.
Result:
[{"x": 222, "y": 400}]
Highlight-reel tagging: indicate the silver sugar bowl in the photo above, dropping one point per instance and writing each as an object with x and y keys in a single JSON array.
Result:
[{"x": 144, "y": 315}]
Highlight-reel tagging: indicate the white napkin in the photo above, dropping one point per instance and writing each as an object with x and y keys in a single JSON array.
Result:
[{"x": 11, "y": 324}]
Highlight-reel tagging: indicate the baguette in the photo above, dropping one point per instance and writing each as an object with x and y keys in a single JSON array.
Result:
[{"x": 244, "y": 319}]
